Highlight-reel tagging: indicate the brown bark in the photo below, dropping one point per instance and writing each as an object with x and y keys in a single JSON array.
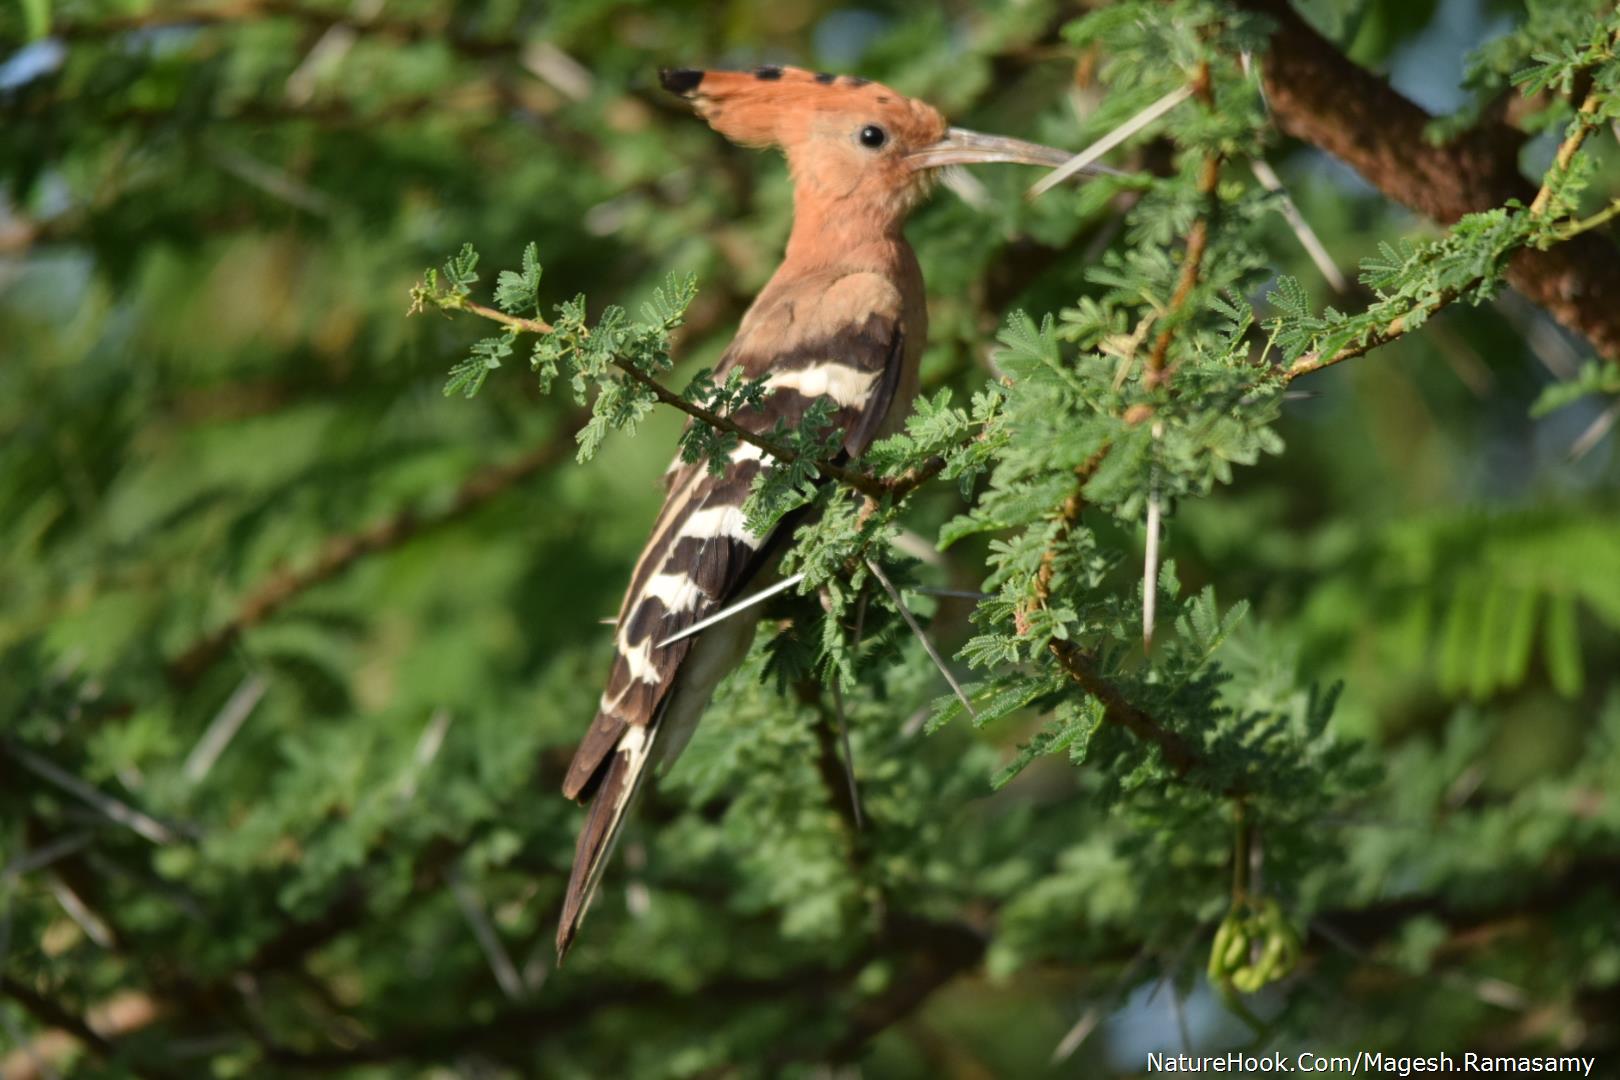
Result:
[{"x": 1319, "y": 95}]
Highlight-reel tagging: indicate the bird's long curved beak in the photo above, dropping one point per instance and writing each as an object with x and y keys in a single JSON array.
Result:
[{"x": 963, "y": 147}]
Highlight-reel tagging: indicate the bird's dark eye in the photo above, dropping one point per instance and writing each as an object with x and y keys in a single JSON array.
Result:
[{"x": 873, "y": 136}]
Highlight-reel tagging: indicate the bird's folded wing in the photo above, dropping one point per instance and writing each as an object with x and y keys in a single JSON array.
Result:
[{"x": 843, "y": 341}]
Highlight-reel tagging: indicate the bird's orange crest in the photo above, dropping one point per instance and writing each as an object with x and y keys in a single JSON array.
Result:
[{"x": 844, "y": 137}]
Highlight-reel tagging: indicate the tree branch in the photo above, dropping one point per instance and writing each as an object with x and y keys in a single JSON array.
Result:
[
  {"x": 1117, "y": 709},
  {"x": 1319, "y": 95},
  {"x": 1538, "y": 207},
  {"x": 341, "y": 552},
  {"x": 1197, "y": 238},
  {"x": 866, "y": 484}
]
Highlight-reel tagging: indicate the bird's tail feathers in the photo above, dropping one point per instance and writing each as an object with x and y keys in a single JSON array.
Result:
[{"x": 626, "y": 771}]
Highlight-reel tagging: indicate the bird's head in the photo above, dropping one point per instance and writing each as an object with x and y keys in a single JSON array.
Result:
[{"x": 847, "y": 140}]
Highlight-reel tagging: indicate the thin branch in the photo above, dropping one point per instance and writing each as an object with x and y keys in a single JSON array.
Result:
[
  {"x": 1209, "y": 176},
  {"x": 1321, "y": 96},
  {"x": 1313, "y": 362},
  {"x": 341, "y": 552},
  {"x": 873, "y": 486},
  {"x": 1567, "y": 150},
  {"x": 1117, "y": 709},
  {"x": 121, "y": 812}
]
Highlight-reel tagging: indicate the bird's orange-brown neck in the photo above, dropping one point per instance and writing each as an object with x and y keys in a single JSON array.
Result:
[{"x": 860, "y": 230}]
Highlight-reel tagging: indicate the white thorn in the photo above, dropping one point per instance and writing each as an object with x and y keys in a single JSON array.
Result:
[
  {"x": 223, "y": 728},
  {"x": 428, "y": 745},
  {"x": 955, "y": 594},
  {"x": 1302, "y": 229},
  {"x": 124, "y": 814},
  {"x": 1150, "y": 573},
  {"x": 1097, "y": 149},
  {"x": 928, "y": 646},
  {"x": 732, "y": 609},
  {"x": 1076, "y": 1036},
  {"x": 472, "y": 909},
  {"x": 1594, "y": 432},
  {"x": 88, "y": 921}
]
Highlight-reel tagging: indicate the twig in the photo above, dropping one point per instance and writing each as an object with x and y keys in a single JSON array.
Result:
[
  {"x": 1321, "y": 96},
  {"x": 1209, "y": 176},
  {"x": 1117, "y": 710},
  {"x": 1567, "y": 149},
  {"x": 867, "y": 485},
  {"x": 39, "y": 858},
  {"x": 341, "y": 552},
  {"x": 1313, "y": 362}
]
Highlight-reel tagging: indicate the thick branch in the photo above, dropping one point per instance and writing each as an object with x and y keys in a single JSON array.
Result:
[
  {"x": 1319, "y": 95},
  {"x": 1538, "y": 208}
]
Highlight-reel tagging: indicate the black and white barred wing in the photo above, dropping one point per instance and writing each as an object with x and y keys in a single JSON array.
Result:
[{"x": 701, "y": 556}]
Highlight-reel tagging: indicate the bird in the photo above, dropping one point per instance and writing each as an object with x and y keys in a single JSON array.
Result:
[{"x": 843, "y": 318}]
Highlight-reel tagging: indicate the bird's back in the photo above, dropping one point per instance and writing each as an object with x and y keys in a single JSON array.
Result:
[{"x": 848, "y": 331}]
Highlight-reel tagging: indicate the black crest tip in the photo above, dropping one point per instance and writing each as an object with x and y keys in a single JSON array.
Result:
[
  {"x": 680, "y": 81},
  {"x": 768, "y": 72},
  {"x": 825, "y": 78}
]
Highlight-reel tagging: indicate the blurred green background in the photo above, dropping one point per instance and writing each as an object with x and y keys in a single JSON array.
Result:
[{"x": 215, "y": 416}]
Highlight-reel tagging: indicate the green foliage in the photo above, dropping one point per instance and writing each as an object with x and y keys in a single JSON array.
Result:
[
  {"x": 294, "y": 650},
  {"x": 1593, "y": 378}
]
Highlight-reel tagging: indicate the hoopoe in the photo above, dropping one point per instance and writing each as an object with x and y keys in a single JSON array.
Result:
[{"x": 843, "y": 318}]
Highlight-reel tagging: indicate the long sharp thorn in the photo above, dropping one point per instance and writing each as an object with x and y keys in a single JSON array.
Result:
[
  {"x": 223, "y": 728},
  {"x": 955, "y": 594},
  {"x": 1302, "y": 229},
  {"x": 849, "y": 755},
  {"x": 79, "y": 912},
  {"x": 1150, "y": 574},
  {"x": 1097, "y": 149},
  {"x": 124, "y": 814},
  {"x": 489, "y": 942},
  {"x": 1077, "y": 1035},
  {"x": 732, "y": 609},
  {"x": 928, "y": 646},
  {"x": 1594, "y": 432}
]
